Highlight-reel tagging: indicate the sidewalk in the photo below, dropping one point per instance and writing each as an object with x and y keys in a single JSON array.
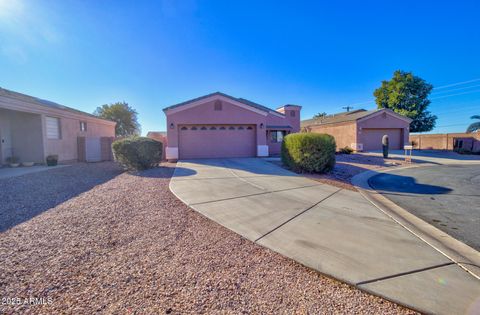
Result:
[{"x": 335, "y": 231}]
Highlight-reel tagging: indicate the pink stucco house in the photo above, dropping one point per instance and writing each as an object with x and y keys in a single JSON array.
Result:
[{"x": 218, "y": 125}]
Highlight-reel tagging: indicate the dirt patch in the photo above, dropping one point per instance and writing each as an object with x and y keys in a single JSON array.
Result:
[{"x": 128, "y": 246}]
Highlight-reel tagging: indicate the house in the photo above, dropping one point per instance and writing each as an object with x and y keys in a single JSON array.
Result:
[
  {"x": 218, "y": 125},
  {"x": 447, "y": 141},
  {"x": 33, "y": 128},
  {"x": 362, "y": 130}
]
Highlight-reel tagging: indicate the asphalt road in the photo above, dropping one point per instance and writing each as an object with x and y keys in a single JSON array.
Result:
[{"x": 446, "y": 196}]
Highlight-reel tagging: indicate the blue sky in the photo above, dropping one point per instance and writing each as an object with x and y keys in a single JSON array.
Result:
[{"x": 322, "y": 55}]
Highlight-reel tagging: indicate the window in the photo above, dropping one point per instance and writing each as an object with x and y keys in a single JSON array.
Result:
[
  {"x": 83, "y": 126},
  {"x": 240, "y": 128},
  {"x": 276, "y": 136},
  {"x": 292, "y": 113},
  {"x": 249, "y": 128},
  {"x": 53, "y": 127},
  {"x": 184, "y": 128},
  {"x": 222, "y": 128},
  {"x": 203, "y": 128},
  {"x": 213, "y": 128},
  {"x": 193, "y": 128},
  {"x": 231, "y": 128}
]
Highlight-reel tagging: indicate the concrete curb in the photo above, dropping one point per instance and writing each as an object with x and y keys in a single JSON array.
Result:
[{"x": 463, "y": 255}]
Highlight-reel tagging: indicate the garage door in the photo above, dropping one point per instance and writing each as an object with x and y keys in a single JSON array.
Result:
[
  {"x": 216, "y": 141},
  {"x": 372, "y": 138}
]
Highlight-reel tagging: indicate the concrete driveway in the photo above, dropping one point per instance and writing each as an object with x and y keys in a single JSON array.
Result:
[
  {"x": 446, "y": 196},
  {"x": 332, "y": 230}
]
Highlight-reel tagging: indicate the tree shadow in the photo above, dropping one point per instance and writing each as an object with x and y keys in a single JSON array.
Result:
[
  {"x": 386, "y": 182},
  {"x": 26, "y": 196},
  {"x": 165, "y": 172}
]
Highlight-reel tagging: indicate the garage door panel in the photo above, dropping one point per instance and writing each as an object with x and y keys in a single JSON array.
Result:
[
  {"x": 217, "y": 141},
  {"x": 372, "y": 138}
]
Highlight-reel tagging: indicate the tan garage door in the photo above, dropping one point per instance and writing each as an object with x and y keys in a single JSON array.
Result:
[
  {"x": 372, "y": 138},
  {"x": 216, "y": 141}
]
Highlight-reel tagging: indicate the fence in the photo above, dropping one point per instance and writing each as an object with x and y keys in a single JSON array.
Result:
[{"x": 446, "y": 141}]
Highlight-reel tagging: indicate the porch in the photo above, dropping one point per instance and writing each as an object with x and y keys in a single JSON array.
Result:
[{"x": 21, "y": 135}]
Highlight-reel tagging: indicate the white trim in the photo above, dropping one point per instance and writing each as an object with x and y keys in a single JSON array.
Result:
[
  {"x": 213, "y": 98},
  {"x": 171, "y": 153},
  {"x": 262, "y": 150},
  {"x": 389, "y": 112}
]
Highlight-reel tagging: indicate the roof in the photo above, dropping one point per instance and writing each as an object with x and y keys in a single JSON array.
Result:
[
  {"x": 157, "y": 133},
  {"x": 241, "y": 100},
  {"x": 339, "y": 118},
  {"x": 43, "y": 103}
]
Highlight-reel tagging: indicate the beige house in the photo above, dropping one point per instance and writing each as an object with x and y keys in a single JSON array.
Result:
[
  {"x": 32, "y": 128},
  {"x": 362, "y": 130}
]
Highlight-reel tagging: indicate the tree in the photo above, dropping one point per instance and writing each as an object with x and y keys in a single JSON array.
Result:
[
  {"x": 320, "y": 115},
  {"x": 407, "y": 95},
  {"x": 474, "y": 127},
  {"x": 124, "y": 115}
]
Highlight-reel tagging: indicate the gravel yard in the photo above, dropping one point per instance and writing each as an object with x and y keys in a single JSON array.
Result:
[
  {"x": 122, "y": 243},
  {"x": 349, "y": 165}
]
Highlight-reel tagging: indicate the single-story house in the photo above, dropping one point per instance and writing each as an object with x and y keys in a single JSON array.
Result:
[
  {"x": 362, "y": 130},
  {"x": 32, "y": 128},
  {"x": 218, "y": 125}
]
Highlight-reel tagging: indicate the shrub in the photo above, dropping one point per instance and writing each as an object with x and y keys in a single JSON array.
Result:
[
  {"x": 137, "y": 153},
  {"x": 346, "y": 150},
  {"x": 309, "y": 152},
  {"x": 12, "y": 160}
]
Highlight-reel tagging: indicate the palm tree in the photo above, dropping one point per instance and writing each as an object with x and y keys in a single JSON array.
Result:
[{"x": 474, "y": 127}]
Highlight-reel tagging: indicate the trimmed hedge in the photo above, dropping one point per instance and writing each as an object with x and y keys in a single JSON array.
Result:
[
  {"x": 137, "y": 153},
  {"x": 309, "y": 152}
]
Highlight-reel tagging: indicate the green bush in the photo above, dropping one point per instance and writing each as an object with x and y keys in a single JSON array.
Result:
[
  {"x": 137, "y": 153},
  {"x": 346, "y": 150},
  {"x": 309, "y": 152}
]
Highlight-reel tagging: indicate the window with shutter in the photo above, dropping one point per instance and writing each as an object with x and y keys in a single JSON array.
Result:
[{"x": 53, "y": 127}]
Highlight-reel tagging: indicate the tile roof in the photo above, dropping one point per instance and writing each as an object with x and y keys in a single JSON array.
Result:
[
  {"x": 42, "y": 102},
  {"x": 241, "y": 100},
  {"x": 338, "y": 118}
]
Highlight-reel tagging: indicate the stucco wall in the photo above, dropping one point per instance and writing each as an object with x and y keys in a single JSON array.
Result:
[
  {"x": 66, "y": 147},
  {"x": 345, "y": 134},
  {"x": 443, "y": 141}
]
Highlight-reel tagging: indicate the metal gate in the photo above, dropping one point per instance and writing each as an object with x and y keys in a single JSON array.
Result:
[{"x": 93, "y": 150}]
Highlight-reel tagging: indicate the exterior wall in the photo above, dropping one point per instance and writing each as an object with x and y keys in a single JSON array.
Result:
[
  {"x": 5, "y": 135},
  {"x": 66, "y": 146},
  {"x": 345, "y": 134},
  {"x": 293, "y": 121},
  {"x": 443, "y": 141},
  {"x": 383, "y": 120}
]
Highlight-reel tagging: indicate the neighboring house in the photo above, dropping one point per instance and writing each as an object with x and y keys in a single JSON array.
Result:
[
  {"x": 160, "y": 136},
  {"x": 362, "y": 130},
  {"x": 32, "y": 128},
  {"x": 218, "y": 125}
]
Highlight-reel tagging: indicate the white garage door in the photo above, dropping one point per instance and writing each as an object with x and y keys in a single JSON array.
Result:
[
  {"x": 216, "y": 141},
  {"x": 93, "y": 152},
  {"x": 372, "y": 138}
]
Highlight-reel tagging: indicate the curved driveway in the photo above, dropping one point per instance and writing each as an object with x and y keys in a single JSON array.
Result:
[
  {"x": 335, "y": 231},
  {"x": 446, "y": 196}
]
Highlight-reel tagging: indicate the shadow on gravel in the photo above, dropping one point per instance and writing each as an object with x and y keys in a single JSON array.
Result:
[
  {"x": 26, "y": 196},
  {"x": 404, "y": 184}
]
